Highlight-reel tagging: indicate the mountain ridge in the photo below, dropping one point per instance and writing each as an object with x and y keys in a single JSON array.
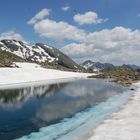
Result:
[
  {"x": 39, "y": 53},
  {"x": 103, "y": 67},
  {"x": 97, "y": 66}
]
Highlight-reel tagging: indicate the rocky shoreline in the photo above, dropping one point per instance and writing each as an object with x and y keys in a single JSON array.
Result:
[{"x": 124, "y": 77}]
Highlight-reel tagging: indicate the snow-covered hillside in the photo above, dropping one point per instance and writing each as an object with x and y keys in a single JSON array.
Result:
[
  {"x": 38, "y": 52},
  {"x": 28, "y": 73},
  {"x": 26, "y": 51}
]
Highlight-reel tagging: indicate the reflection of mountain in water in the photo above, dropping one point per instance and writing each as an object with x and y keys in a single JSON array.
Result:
[{"x": 14, "y": 98}]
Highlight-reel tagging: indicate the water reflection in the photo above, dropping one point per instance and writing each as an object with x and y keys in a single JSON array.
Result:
[
  {"x": 12, "y": 99},
  {"x": 37, "y": 106},
  {"x": 75, "y": 98}
]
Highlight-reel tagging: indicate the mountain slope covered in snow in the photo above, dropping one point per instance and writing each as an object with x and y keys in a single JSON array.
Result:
[{"x": 39, "y": 53}]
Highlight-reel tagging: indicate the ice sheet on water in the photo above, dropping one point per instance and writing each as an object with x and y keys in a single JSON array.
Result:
[{"x": 81, "y": 123}]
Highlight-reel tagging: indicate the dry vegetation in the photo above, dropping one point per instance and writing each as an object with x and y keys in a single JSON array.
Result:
[
  {"x": 120, "y": 75},
  {"x": 7, "y": 59}
]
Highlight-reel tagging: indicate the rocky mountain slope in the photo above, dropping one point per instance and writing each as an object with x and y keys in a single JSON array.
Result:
[
  {"x": 132, "y": 67},
  {"x": 97, "y": 66},
  {"x": 7, "y": 59},
  {"x": 40, "y": 53},
  {"x": 121, "y": 75},
  {"x": 104, "y": 67}
]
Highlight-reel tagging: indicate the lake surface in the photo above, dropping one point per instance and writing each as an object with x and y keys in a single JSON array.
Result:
[{"x": 57, "y": 109}]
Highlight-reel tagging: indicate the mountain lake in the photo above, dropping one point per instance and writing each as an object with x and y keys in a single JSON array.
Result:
[{"x": 59, "y": 111}]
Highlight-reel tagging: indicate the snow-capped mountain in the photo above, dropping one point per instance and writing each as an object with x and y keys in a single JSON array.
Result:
[
  {"x": 132, "y": 67},
  {"x": 38, "y": 52},
  {"x": 102, "y": 67},
  {"x": 97, "y": 66}
]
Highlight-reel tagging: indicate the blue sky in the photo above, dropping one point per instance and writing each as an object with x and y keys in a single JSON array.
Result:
[{"x": 86, "y": 17}]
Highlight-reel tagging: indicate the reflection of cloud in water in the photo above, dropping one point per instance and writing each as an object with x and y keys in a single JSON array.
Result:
[
  {"x": 75, "y": 97},
  {"x": 40, "y": 106},
  {"x": 80, "y": 126},
  {"x": 88, "y": 89}
]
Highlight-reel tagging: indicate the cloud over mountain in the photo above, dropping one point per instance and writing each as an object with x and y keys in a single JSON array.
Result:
[
  {"x": 11, "y": 35},
  {"x": 118, "y": 45}
]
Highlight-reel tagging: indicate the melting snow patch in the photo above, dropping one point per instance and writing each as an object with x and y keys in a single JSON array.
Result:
[{"x": 123, "y": 125}]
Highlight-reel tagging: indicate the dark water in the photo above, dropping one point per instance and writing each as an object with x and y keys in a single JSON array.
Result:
[{"x": 25, "y": 110}]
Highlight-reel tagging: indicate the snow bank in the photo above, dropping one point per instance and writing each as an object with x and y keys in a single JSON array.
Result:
[
  {"x": 123, "y": 125},
  {"x": 30, "y": 73}
]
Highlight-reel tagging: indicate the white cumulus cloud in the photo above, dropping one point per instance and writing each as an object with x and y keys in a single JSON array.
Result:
[
  {"x": 11, "y": 35},
  {"x": 59, "y": 30},
  {"x": 65, "y": 8},
  {"x": 78, "y": 50},
  {"x": 117, "y": 45},
  {"x": 39, "y": 16},
  {"x": 89, "y": 17}
]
